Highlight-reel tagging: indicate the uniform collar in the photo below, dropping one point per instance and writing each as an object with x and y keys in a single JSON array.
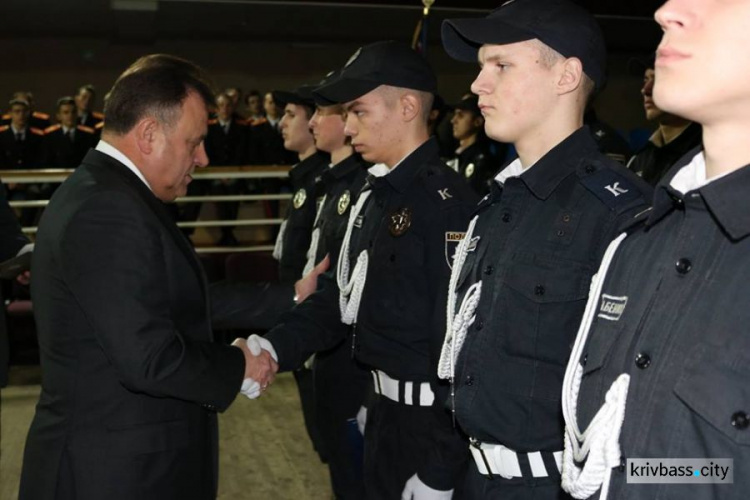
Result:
[
  {"x": 344, "y": 167},
  {"x": 308, "y": 165},
  {"x": 546, "y": 174},
  {"x": 401, "y": 176},
  {"x": 725, "y": 196}
]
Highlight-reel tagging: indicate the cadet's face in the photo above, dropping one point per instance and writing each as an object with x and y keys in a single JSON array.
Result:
[
  {"x": 515, "y": 90},
  {"x": 371, "y": 123},
  {"x": 67, "y": 115},
  {"x": 652, "y": 111},
  {"x": 700, "y": 74},
  {"x": 295, "y": 129},
  {"x": 224, "y": 108},
  {"x": 178, "y": 151},
  {"x": 253, "y": 105},
  {"x": 83, "y": 100},
  {"x": 234, "y": 96},
  {"x": 270, "y": 105},
  {"x": 19, "y": 115},
  {"x": 465, "y": 124},
  {"x": 327, "y": 125}
]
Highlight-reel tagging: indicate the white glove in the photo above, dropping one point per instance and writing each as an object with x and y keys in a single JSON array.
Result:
[
  {"x": 256, "y": 343},
  {"x": 415, "y": 489},
  {"x": 362, "y": 419}
]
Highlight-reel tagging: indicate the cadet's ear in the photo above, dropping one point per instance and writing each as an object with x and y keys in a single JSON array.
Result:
[
  {"x": 411, "y": 106},
  {"x": 571, "y": 75},
  {"x": 145, "y": 134}
]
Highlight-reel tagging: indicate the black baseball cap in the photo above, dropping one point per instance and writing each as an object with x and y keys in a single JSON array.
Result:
[
  {"x": 382, "y": 63},
  {"x": 301, "y": 95},
  {"x": 319, "y": 99},
  {"x": 470, "y": 103},
  {"x": 560, "y": 24}
]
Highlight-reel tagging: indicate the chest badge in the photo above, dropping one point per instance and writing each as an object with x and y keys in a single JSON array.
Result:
[
  {"x": 469, "y": 170},
  {"x": 344, "y": 200},
  {"x": 299, "y": 198},
  {"x": 400, "y": 221}
]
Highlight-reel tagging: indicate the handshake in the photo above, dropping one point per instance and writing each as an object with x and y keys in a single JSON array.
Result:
[{"x": 260, "y": 364}]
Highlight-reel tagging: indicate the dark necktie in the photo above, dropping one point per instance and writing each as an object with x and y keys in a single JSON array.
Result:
[{"x": 19, "y": 137}]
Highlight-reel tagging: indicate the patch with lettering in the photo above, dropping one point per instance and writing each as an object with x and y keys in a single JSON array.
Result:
[
  {"x": 612, "y": 307},
  {"x": 452, "y": 239}
]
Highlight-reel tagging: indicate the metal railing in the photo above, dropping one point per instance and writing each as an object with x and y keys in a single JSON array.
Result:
[{"x": 42, "y": 176}]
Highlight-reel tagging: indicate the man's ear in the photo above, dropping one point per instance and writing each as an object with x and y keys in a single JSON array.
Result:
[
  {"x": 570, "y": 76},
  {"x": 145, "y": 134},
  {"x": 411, "y": 106}
]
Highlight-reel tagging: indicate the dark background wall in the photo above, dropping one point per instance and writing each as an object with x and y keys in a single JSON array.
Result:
[{"x": 52, "y": 47}]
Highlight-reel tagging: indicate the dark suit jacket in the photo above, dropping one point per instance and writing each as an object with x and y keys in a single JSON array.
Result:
[
  {"x": 226, "y": 148},
  {"x": 131, "y": 378},
  {"x": 61, "y": 152},
  {"x": 11, "y": 241},
  {"x": 20, "y": 155}
]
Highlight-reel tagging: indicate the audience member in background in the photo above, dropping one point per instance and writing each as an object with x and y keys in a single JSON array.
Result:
[
  {"x": 66, "y": 143},
  {"x": 225, "y": 146},
  {"x": 473, "y": 158},
  {"x": 235, "y": 94},
  {"x": 673, "y": 137},
  {"x": 439, "y": 124},
  {"x": 254, "y": 106},
  {"x": 37, "y": 119},
  {"x": 85, "y": 100}
]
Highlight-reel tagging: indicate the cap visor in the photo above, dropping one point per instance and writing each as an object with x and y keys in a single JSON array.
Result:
[
  {"x": 462, "y": 38},
  {"x": 283, "y": 97},
  {"x": 341, "y": 90}
]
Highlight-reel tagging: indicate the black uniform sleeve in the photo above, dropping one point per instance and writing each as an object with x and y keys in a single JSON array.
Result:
[
  {"x": 248, "y": 305},
  {"x": 450, "y": 449},
  {"x": 314, "y": 325}
]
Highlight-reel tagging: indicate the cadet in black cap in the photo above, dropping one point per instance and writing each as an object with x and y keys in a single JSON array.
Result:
[
  {"x": 473, "y": 158},
  {"x": 387, "y": 297},
  {"x": 521, "y": 274}
]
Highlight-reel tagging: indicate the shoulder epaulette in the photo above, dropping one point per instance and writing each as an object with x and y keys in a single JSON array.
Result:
[
  {"x": 84, "y": 128},
  {"x": 40, "y": 115},
  {"x": 36, "y": 131},
  {"x": 3, "y": 128},
  {"x": 445, "y": 190},
  {"x": 6, "y": 116},
  {"x": 97, "y": 115},
  {"x": 99, "y": 126},
  {"x": 52, "y": 128},
  {"x": 611, "y": 187},
  {"x": 240, "y": 121},
  {"x": 213, "y": 121},
  {"x": 259, "y": 121}
]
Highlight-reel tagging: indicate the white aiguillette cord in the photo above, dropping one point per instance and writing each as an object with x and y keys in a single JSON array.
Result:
[
  {"x": 598, "y": 447},
  {"x": 350, "y": 288},
  {"x": 312, "y": 251}
]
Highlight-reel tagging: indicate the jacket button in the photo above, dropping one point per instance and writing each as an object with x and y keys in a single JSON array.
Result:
[
  {"x": 488, "y": 270},
  {"x": 642, "y": 360},
  {"x": 590, "y": 169},
  {"x": 740, "y": 420},
  {"x": 584, "y": 359},
  {"x": 566, "y": 218},
  {"x": 539, "y": 290},
  {"x": 683, "y": 266},
  {"x": 469, "y": 380},
  {"x": 479, "y": 324},
  {"x": 507, "y": 217}
]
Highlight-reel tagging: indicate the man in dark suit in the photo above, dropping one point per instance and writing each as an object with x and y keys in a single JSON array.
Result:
[{"x": 132, "y": 378}]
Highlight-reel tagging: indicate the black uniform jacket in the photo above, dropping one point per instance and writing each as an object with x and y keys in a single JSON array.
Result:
[
  {"x": 61, "y": 152},
  {"x": 131, "y": 377},
  {"x": 226, "y": 148},
  {"x": 401, "y": 319},
  {"x": 540, "y": 239},
  {"x": 680, "y": 330},
  {"x": 27, "y": 153},
  {"x": 300, "y": 216},
  {"x": 651, "y": 162}
]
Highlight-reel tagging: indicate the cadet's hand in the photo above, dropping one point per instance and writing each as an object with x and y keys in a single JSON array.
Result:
[
  {"x": 306, "y": 286},
  {"x": 260, "y": 367},
  {"x": 362, "y": 419},
  {"x": 24, "y": 278},
  {"x": 415, "y": 489}
]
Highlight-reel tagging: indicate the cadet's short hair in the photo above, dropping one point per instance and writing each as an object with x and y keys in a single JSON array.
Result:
[
  {"x": 88, "y": 88},
  {"x": 154, "y": 85},
  {"x": 65, "y": 100}
]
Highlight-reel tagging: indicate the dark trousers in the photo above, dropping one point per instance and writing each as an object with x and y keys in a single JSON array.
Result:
[
  {"x": 398, "y": 441},
  {"x": 341, "y": 385},
  {"x": 304, "y": 379},
  {"x": 479, "y": 487}
]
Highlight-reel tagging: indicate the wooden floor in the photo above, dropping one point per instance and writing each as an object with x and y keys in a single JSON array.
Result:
[{"x": 264, "y": 453}]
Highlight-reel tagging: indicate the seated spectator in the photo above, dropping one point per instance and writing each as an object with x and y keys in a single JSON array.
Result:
[
  {"x": 85, "y": 99},
  {"x": 254, "y": 106},
  {"x": 37, "y": 119}
]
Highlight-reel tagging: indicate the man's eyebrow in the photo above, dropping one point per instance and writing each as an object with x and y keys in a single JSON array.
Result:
[{"x": 352, "y": 105}]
